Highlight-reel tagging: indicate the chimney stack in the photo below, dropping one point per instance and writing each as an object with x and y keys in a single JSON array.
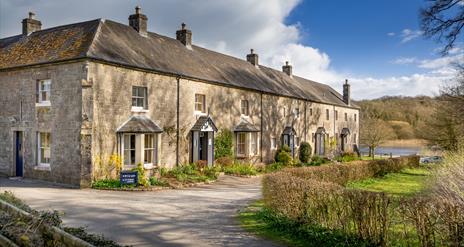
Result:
[
  {"x": 184, "y": 36},
  {"x": 252, "y": 58},
  {"x": 30, "y": 24},
  {"x": 287, "y": 69},
  {"x": 346, "y": 93},
  {"x": 138, "y": 21}
]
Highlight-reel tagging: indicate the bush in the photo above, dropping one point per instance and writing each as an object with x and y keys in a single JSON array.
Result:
[
  {"x": 305, "y": 152},
  {"x": 224, "y": 161},
  {"x": 240, "y": 169},
  {"x": 154, "y": 181},
  {"x": 106, "y": 183},
  {"x": 274, "y": 167},
  {"x": 347, "y": 157},
  {"x": 223, "y": 146},
  {"x": 143, "y": 180},
  {"x": 283, "y": 155}
]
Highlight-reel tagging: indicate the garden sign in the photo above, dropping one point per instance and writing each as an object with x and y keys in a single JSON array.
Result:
[{"x": 129, "y": 177}]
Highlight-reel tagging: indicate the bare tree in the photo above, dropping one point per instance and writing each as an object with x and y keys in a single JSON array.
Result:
[
  {"x": 443, "y": 19},
  {"x": 374, "y": 132}
]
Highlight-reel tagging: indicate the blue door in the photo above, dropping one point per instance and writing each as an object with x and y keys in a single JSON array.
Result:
[{"x": 19, "y": 153}]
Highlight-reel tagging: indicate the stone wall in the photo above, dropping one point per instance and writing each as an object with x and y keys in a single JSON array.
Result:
[{"x": 62, "y": 119}]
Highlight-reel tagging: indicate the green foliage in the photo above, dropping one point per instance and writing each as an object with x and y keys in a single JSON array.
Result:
[
  {"x": 305, "y": 152},
  {"x": 347, "y": 157},
  {"x": 106, "y": 183},
  {"x": 191, "y": 173},
  {"x": 223, "y": 144},
  {"x": 143, "y": 180},
  {"x": 240, "y": 169},
  {"x": 154, "y": 181},
  {"x": 94, "y": 239},
  {"x": 283, "y": 155},
  {"x": 275, "y": 167}
]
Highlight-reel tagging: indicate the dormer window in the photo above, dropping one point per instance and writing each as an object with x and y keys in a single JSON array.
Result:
[
  {"x": 244, "y": 109},
  {"x": 43, "y": 92},
  {"x": 139, "y": 98},
  {"x": 200, "y": 106}
]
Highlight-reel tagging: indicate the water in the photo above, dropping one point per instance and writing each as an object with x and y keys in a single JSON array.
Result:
[{"x": 395, "y": 151}]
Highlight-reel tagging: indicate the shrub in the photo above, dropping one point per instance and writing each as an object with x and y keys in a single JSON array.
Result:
[
  {"x": 274, "y": 167},
  {"x": 143, "y": 180},
  {"x": 223, "y": 146},
  {"x": 106, "y": 183},
  {"x": 154, "y": 181},
  {"x": 305, "y": 152},
  {"x": 316, "y": 161},
  {"x": 347, "y": 157},
  {"x": 283, "y": 155},
  {"x": 224, "y": 161},
  {"x": 240, "y": 169}
]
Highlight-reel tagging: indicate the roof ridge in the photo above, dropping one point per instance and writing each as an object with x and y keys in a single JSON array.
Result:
[{"x": 95, "y": 35}]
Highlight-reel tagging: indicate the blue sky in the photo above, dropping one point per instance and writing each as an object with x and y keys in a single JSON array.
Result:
[
  {"x": 375, "y": 44},
  {"x": 355, "y": 34}
]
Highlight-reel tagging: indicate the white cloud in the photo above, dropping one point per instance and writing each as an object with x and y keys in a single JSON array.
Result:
[
  {"x": 233, "y": 27},
  {"x": 408, "y": 35},
  {"x": 404, "y": 60},
  {"x": 391, "y": 34}
]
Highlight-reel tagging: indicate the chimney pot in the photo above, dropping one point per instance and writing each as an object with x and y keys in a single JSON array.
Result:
[
  {"x": 30, "y": 24},
  {"x": 253, "y": 58},
  {"x": 138, "y": 21},
  {"x": 287, "y": 69},
  {"x": 184, "y": 36},
  {"x": 346, "y": 93}
]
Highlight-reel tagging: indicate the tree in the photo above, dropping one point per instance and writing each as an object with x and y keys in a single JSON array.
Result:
[
  {"x": 223, "y": 145},
  {"x": 374, "y": 132},
  {"x": 443, "y": 19}
]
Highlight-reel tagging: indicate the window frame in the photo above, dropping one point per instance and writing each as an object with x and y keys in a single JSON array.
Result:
[
  {"x": 202, "y": 103},
  {"x": 41, "y": 149},
  {"x": 273, "y": 143},
  {"x": 128, "y": 148},
  {"x": 245, "y": 107},
  {"x": 327, "y": 115},
  {"x": 241, "y": 151},
  {"x": 39, "y": 92},
  {"x": 137, "y": 97},
  {"x": 254, "y": 143},
  {"x": 151, "y": 149}
]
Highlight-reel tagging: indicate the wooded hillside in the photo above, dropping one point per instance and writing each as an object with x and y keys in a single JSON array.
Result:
[{"x": 407, "y": 116}]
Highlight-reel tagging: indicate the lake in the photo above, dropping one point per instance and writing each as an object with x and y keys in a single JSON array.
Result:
[{"x": 395, "y": 151}]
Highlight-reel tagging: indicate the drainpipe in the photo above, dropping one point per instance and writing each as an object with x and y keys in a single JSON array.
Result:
[
  {"x": 177, "y": 123},
  {"x": 261, "y": 133},
  {"x": 305, "y": 126}
]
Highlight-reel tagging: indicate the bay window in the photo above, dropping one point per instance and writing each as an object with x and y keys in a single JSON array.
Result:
[
  {"x": 241, "y": 143},
  {"x": 129, "y": 149},
  {"x": 247, "y": 144}
]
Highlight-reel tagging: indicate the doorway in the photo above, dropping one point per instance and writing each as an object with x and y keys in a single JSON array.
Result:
[
  {"x": 19, "y": 153},
  {"x": 202, "y": 146}
]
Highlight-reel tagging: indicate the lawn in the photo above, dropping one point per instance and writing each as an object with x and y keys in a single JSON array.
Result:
[{"x": 405, "y": 183}]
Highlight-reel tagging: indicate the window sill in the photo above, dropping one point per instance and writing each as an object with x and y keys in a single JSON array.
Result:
[
  {"x": 43, "y": 104},
  {"x": 199, "y": 113},
  {"x": 148, "y": 166},
  {"x": 128, "y": 167},
  {"x": 138, "y": 109},
  {"x": 42, "y": 167}
]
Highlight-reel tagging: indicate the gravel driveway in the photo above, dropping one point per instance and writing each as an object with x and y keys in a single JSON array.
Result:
[{"x": 200, "y": 216}]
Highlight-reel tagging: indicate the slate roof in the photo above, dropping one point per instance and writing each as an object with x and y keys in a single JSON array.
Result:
[
  {"x": 139, "y": 124},
  {"x": 201, "y": 121},
  {"x": 113, "y": 42},
  {"x": 245, "y": 126}
]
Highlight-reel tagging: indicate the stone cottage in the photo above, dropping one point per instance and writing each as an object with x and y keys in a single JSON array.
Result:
[{"x": 73, "y": 95}]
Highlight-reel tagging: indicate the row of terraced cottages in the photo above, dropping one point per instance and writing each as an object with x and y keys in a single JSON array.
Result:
[{"x": 73, "y": 95}]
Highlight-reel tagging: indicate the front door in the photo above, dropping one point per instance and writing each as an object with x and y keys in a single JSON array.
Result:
[
  {"x": 320, "y": 142},
  {"x": 19, "y": 153},
  {"x": 203, "y": 146}
]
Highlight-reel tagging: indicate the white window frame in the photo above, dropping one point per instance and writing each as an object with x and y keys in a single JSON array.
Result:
[
  {"x": 136, "y": 107},
  {"x": 254, "y": 143},
  {"x": 150, "y": 149},
  {"x": 40, "y": 100},
  {"x": 127, "y": 148},
  {"x": 245, "y": 107},
  {"x": 240, "y": 142},
  {"x": 41, "y": 149},
  {"x": 273, "y": 143},
  {"x": 202, "y": 103}
]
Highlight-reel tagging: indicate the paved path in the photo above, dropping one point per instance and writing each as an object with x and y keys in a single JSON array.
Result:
[{"x": 200, "y": 216}]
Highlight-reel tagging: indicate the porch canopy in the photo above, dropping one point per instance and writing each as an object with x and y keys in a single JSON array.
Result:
[
  {"x": 139, "y": 124},
  {"x": 289, "y": 131},
  {"x": 320, "y": 130},
  {"x": 204, "y": 123},
  {"x": 345, "y": 131},
  {"x": 245, "y": 126}
]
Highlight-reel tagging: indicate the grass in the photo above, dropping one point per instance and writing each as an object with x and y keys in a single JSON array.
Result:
[
  {"x": 408, "y": 182},
  {"x": 252, "y": 221},
  {"x": 261, "y": 222}
]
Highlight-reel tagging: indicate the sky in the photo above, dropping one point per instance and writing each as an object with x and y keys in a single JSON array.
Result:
[{"x": 376, "y": 45}]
